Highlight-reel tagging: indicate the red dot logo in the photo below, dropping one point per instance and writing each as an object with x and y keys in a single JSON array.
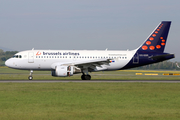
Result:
[
  {"x": 144, "y": 47},
  {"x": 158, "y": 46},
  {"x": 161, "y": 37},
  {"x": 163, "y": 40},
  {"x": 151, "y": 38},
  {"x": 148, "y": 42},
  {"x": 162, "y": 44},
  {"x": 151, "y": 47},
  {"x": 154, "y": 35}
]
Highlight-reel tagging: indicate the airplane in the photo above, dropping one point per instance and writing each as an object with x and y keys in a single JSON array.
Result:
[
  {"x": 64, "y": 63},
  {"x": 177, "y": 65}
]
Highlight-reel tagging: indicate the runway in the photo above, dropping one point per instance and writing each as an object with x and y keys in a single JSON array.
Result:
[{"x": 87, "y": 81}]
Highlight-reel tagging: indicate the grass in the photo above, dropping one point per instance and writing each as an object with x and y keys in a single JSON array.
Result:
[{"x": 89, "y": 101}]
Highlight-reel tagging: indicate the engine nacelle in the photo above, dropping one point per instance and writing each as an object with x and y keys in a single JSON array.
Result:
[{"x": 62, "y": 71}]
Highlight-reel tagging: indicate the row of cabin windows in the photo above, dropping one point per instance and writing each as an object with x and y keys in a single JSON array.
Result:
[{"x": 79, "y": 57}]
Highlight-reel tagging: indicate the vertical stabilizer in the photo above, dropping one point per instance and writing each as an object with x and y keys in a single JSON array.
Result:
[{"x": 156, "y": 42}]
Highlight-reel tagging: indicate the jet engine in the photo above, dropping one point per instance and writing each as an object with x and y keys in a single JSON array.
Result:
[{"x": 62, "y": 71}]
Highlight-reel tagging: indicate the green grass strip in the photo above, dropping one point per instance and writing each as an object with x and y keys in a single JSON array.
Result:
[{"x": 89, "y": 101}]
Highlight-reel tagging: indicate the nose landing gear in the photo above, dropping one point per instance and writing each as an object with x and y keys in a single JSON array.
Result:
[{"x": 30, "y": 75}]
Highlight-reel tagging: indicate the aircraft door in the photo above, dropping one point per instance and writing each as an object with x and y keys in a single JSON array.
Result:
[
  {"x": 31, "y": 57},
  {"x": 136, "y": 59}
]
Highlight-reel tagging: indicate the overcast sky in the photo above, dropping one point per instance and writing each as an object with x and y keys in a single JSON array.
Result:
[{"x": 86, "y": 24}]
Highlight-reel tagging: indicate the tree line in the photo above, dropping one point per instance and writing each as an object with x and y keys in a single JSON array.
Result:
[
  {"x": 5, "y": 55},
  {"x": 165, "y": 65}
]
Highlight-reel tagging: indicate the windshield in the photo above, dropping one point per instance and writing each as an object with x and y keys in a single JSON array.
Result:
[{"x": 17, "y": 56}]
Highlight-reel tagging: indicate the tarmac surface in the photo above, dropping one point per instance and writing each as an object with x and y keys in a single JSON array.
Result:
[{"x": 87, "y": 81}]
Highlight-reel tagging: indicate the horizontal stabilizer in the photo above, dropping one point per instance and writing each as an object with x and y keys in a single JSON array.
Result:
[{"x": 162, "y": 57}]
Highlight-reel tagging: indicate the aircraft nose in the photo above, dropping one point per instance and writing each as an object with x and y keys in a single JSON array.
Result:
[{"x": 8, "y": 63}]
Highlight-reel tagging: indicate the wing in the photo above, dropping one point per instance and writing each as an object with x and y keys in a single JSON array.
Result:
[
  {"x": 162, "y": 57},
  {"x": 91, "y": 65}
]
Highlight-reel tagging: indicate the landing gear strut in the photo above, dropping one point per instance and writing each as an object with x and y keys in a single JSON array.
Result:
[
  {"x": 86, "y": 77},
  {"x": 30, "y": 75}
]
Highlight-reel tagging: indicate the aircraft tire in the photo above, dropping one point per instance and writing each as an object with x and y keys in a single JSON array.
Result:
[
  {"x": 88, "y": 77},
  {"x": 82, "y": 77},
  {"x": 30, "y": 77}
]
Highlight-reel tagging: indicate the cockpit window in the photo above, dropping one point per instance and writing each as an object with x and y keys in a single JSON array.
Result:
[{"x": 17, "y": 56}]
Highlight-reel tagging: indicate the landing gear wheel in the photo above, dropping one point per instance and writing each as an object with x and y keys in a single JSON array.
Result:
[
  {"x": 86, "y": 77},
  {"x": 82, "y": 77},
  {"x": 30, "y": 77}
]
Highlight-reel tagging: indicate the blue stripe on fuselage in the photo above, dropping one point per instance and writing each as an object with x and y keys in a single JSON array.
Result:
[{"x": 142, "y": 58}]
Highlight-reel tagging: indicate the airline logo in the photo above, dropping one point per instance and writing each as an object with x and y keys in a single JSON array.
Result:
[
  {"x": 57, "y": 53},
  {"x": 38, "y": 53},
  {"x": 157, "y": 40}
]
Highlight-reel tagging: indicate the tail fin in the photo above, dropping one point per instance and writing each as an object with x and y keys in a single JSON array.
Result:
[{"x": 157, "y": 40}]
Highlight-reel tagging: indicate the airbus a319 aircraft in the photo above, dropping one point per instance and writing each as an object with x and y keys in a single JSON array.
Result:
[{"x": 64, "y": 63}]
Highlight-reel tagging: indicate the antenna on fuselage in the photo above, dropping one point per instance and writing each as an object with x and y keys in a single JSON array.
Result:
[
  {"x": 32, "y": 48},
  {"x": 106, "y": 49}
]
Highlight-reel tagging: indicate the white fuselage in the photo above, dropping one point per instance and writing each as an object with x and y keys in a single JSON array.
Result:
[{"x": 48, "y": 59}]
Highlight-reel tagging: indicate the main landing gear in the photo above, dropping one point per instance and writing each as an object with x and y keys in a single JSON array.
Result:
[
  {"x": 30, "y": 75},
  {"x": 85, "y": 77}
]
